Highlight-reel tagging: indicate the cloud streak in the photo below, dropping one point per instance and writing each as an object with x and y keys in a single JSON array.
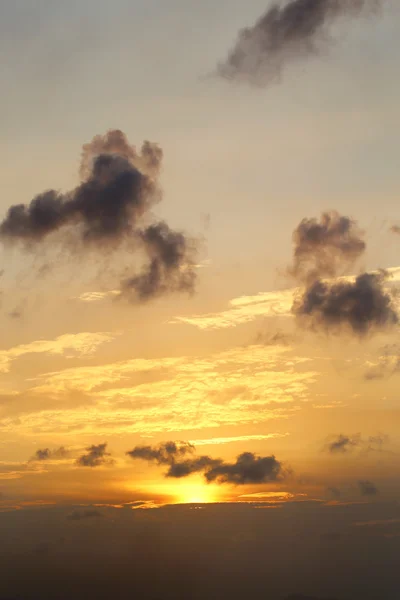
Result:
[
  {"x": 45, "y": 454},
  {"x": 81, "y": 344},
  {"x": 286, "y": 34}
]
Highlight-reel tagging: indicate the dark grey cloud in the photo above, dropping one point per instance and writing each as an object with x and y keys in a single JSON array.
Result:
[
  {"x": 43, "y": 454},
  {"x": 168, "y": 268},
  {"x": 285, "y": 34},
  {"x": 114, "y": 194},
  {"x": 186, "y": 467},
  {"x": 248, "y": 467},
  {"x": 88, "y": 513},
  {"x": 325, "y": 248},
  {"x": 367, "y": 488},
  {"x": 395, "y": 229},
  {"x": 360, "y": 307},
  {"x": 110, "y": 209},
  {"x": 163, "y": 454},
  {"x": 95, "y": 456}
]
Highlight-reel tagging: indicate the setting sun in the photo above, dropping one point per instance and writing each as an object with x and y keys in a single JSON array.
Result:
[{"x": 195, "y": 493}]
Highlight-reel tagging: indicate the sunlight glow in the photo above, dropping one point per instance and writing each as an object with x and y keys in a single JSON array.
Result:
[{"x": 195, "y": 494}]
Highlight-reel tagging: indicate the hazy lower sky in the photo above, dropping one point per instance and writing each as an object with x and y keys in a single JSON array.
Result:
[{"x": 88, "y": 374}]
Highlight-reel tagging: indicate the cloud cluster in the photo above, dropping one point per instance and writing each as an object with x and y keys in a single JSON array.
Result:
[
  {"x": 43, "y": 454},
  {"x": 107, "y": 210},
  {"x": 168, "y": 269},
  {"x": 283, "y": 35},
  {"x": 326, "y": 249},
  {"x": 248, "y": 467},
  {"x": 163, "y": 454},
  {"x": 360, "y": 306},
  {"x": 343, "y": 444},
  {"x": 95, "y": 456}
]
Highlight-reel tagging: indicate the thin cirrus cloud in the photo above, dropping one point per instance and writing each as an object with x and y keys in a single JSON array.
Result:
[
  {"x": 81, "y": 344},
  {"x": 239, "y": 386},
  {"x": 240, "y": 438}
]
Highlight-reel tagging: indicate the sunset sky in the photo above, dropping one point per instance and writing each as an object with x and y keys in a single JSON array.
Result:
[{"x": 216, "y": 358}]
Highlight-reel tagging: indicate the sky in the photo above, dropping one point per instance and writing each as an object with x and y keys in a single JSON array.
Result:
[{"x": 203, "y": 311}]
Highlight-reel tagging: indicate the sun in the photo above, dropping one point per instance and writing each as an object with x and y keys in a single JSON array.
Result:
[{"x": 194, "y": 494}]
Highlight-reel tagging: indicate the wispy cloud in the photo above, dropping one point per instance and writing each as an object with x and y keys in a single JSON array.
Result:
[
  {"x": 239, "y": 438},
  {"x": 89, "y": 297},
  {"x": 78, "y": 344},
  {"x": 244, "y": 385},
  {"x": 243, "y": 310}
]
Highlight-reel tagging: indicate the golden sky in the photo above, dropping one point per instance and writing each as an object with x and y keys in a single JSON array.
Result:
[{"x": 96, "y": 359}]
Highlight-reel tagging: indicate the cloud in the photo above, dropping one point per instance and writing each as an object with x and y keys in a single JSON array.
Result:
[
  {"x": 326, "y": 247},
  {"x": 273, "y": 496},
  {"x": 360, "y": 307},
  {"x": 279, "y": 338},
  {"x": 14, "y": 470},
  {"x": 343, "y": 444},
  {"x": 143, "y": 505},
  {"x": 119, "y": 187},
  {"x": 367, "y": 488},
  {"x": 95, "y": 456},
  {"x": 243, "y": 385},
  {"x": 246, "y": 309},
  {"x": 387, "y": 365},
  {"x": 163, "y": 454},
  {"x": 169, "y": 269},
  {"x": 189, "y": 466},
  {"x": 90, "y": 297},
  {"x": 284, "y": 35},
  {"x": 395, "y": 229},
  {"x": 239, "y": 438},
  {"x": 43, "y": 454},
  {"x": 88, "y": 513},
  {"x": 243, "y": 310},
  {"x": 248, "y": 467},
  {"x": 82, "y": 344}
]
